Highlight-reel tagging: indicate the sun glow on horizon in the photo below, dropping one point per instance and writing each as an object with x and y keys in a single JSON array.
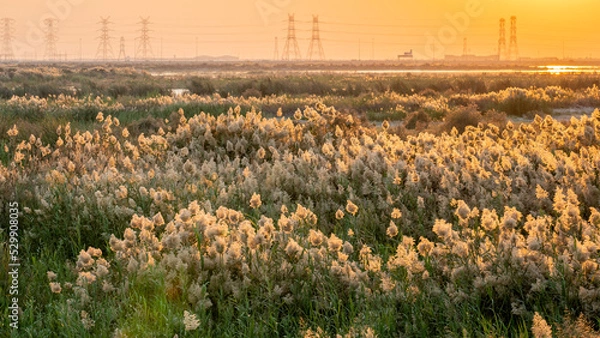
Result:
[{"x": 563, "y": 69}]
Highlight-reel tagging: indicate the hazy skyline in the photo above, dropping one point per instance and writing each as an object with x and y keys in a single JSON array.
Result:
[{"x": 349, "y": 29}]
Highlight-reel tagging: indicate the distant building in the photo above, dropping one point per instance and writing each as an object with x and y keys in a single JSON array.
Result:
[{"x": 406, "y": 55}]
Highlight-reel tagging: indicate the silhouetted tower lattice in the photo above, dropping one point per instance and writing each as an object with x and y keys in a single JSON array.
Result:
[
  {"x": 51, "y": 38},
  {"x": 144, "y": 48},
  {"x": 7, "y": 31},
  {"x": 291, "y": 44},
  {"x": 122, "y": 55},
  {"x": 276, "y": 51},
  {"x": 502, "y": 40},
  {"x": 315, "y": 41},
  {"x": 465, "y": 50},
  {"x": 513, "y": 50},
  {"x": 104, "y": 47}
]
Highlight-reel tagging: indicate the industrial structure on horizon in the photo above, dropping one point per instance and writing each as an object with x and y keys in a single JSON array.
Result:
[
  {"x": 507, "y": 47},
  {"x": 504, "y": 54},
  {"x": 406, "y": 55}
]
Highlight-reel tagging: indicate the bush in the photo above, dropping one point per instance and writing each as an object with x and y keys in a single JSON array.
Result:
[
  {"x": 201, "y": 86},
  {"x": 471, "y": 85},
  {"x": 400, "y": 87},
  {"x": 496, "y": 118},
  {"x": 145, "y": 89},
  {"x": 147, "y": 125},
  {"x": 461, "y": 118},
  {"x": 519, "y": 102},
  {"x": 251, "y": 92},
  {"x": 117, "y": 90},
  {"x": 429, "y": 92},
  {"x": 417, "y": 119},
  {"x": 43, "y": 90},
  {"x": 5, "y": 93}
]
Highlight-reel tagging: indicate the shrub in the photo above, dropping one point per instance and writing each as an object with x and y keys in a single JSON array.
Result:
[
  {"x": 416, "y": 119},
  {"x": 201, "y": 86},
  {"x": 496, "y": 118},
  {"x": 460, "y": 118},
  {"x": 471, "y": 85},
  {"x": 5, "y": 93},
  {"x": 117, "y": 90},
  {"x": 519, "y": 102},
  {"x": 399, "y": 86},
  {"x": 148, "y": 125},
  {"x": 147, "y": 89},
  {"x": 251, "y": 92}
]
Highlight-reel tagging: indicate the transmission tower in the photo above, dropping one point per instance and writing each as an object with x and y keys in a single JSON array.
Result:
[
  {"x": 122, "y": 55},
  {"x": 502, "y": 40},
  {"x": 51, "y": 38},
  {"x": 465, "y": 50},
  {"x": 315, "y": 41},
  {"x": 276, "y": 52},
  {"x": 7, "y": 31},
  {"x": 291, "y": 42},
  {"x": 144, "y": 48},
  {"x": 104, "y": 48},
  {"x": 513, "y": 50}
]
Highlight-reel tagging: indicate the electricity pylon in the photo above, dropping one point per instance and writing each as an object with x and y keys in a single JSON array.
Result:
[
  {"x": 144, "y": 48},
  {"x": 291, "y": 44},
  {"x": 7, "y": 32},
  {"x": 104, "y": 47},
  {"x": 315, "y": 41}
]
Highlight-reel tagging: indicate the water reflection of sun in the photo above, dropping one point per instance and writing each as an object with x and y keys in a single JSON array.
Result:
[{"x": 558, "y": 69}]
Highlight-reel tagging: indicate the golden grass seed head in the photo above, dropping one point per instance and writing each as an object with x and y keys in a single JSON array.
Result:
[
  {"x": 315, "y": 237},
  {"x": 55, "y": 287},
  {"x": 396, "y": 213},
  {"x": 425, "y": 247},
  {"x": 442, "y": 228},
  {"x": 190, "y": 321},
  {"x": 351, "y": 207},
  {"x": 285, "y": 224},
  {"x": 540, "y": 327},
  {"x": 51, "y": 276},
  {"x": 293, "y": 249},
  {"x": 255, "y": 201},
  {"x": 84, "y": 260},
  {"x": 392, "y": 230},
  {"x": 334, "y": 243},
  {"x": 339, "y": 214}
]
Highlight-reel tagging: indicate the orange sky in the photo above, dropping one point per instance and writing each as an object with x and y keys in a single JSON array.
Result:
[{"x": 247, "y": 28}]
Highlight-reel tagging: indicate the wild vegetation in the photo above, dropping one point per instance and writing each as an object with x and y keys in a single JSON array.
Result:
[
  {"x": 305, "y": 222},
  {"x": 38, "y": 100}
]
